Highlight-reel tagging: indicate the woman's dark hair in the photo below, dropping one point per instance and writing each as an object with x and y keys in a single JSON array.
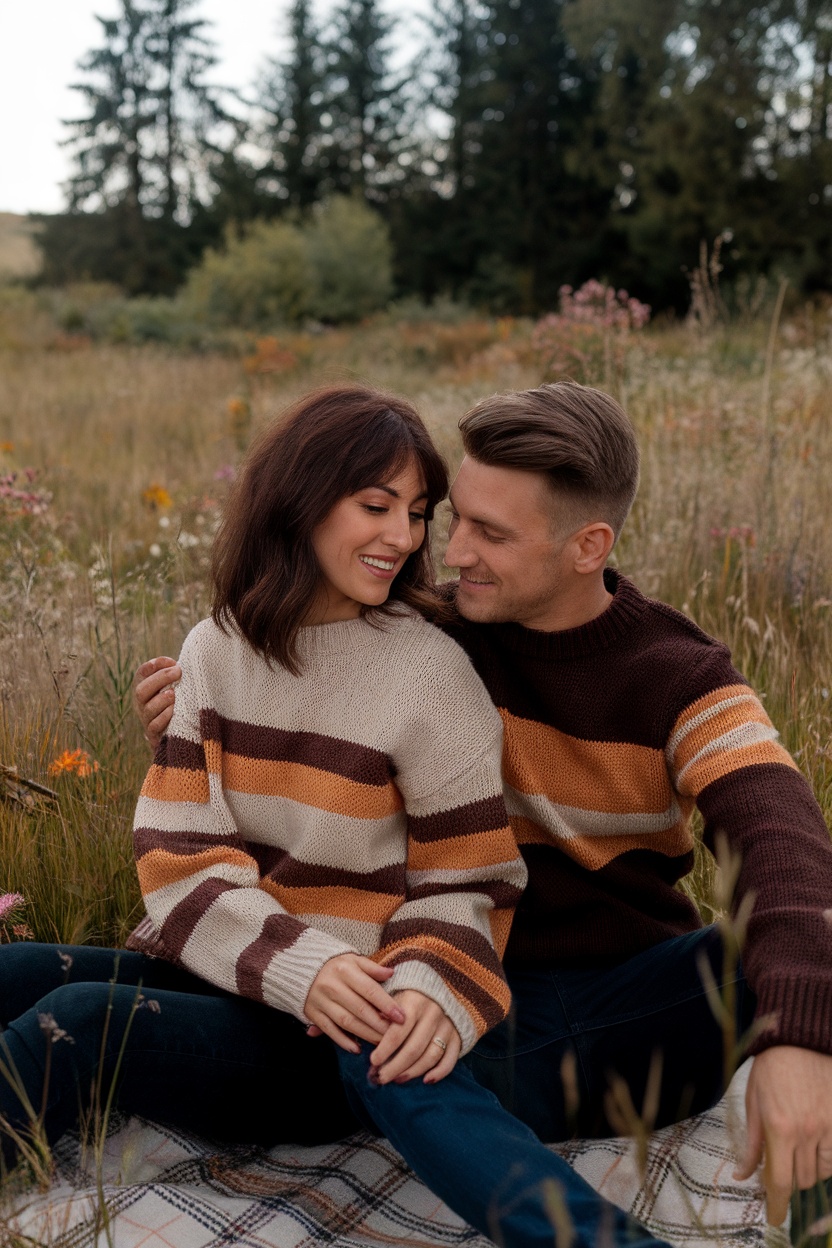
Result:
[{"x": 330, "y": 444}]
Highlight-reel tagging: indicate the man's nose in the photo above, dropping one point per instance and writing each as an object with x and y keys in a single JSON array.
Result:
[{"x": 457, "y": 553}]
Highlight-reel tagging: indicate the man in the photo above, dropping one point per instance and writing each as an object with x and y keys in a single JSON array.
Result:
[{"x": 620, "y": 715}]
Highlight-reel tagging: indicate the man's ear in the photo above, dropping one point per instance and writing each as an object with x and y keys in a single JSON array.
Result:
[{"x": 593, "y": 544}]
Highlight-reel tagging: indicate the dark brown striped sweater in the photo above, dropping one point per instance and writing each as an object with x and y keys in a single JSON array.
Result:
[
  {"x": 613, "y": 732},
  {"x": 286, "y": 820}
]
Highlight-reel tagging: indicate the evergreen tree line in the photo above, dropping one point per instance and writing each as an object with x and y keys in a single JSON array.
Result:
[{"x": 521, "y": 145}]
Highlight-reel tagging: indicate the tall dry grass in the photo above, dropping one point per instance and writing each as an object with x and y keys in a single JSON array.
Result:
[{"x": 136, "y": 445}]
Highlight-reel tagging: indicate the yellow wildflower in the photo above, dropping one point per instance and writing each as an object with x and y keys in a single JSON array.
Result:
[{"x": 156, "y": 497}]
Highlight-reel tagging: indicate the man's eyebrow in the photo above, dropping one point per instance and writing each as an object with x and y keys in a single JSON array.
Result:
[{"x": 487, "y": 523}]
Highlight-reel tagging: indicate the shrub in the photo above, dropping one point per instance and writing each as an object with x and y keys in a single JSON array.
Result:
[
  {"x": 351, "y": 260},
  {"x": 334, "y": 267},
  {"x": 260, "y": 278}
]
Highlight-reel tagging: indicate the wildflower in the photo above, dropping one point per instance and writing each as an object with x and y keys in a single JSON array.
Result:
[
  {"x": 7, "y": 447},
  {"x": 225, "y": 472},
  {"x": 51, "y": 1030},
  {"x": 156, "y": 497},
  {"x": 154, "y": 549},
  {"x": 164, "y": 522},
  {"x": 9, "y": 902},
  {"x": 77, "y": 761}
]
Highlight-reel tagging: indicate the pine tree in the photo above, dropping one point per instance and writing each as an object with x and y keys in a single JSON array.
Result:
[
  {"x": 365, "y": 104},
  {"x": 294, "y": 103}
]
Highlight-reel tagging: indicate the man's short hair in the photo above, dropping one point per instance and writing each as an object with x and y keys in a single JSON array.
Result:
[{"x": 578, "y": 437}]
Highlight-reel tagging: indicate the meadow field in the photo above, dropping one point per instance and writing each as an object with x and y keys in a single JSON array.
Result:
[{"x": 116, "y": 456}]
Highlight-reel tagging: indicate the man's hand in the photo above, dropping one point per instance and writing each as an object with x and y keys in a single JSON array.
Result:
[
  {"x": 408, "y": 1049},
  {"x": 789, "y": 1108},
  {"x": 346, "y": 999},
  {"x": 153, "y": 698}
]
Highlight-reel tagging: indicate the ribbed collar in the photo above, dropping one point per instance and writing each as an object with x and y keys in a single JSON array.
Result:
[
  {"x": 344, "y": 636},
  {"x": 627, "y": 607}
]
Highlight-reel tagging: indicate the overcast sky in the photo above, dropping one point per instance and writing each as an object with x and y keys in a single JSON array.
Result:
[{"x": 40, "y": 43}]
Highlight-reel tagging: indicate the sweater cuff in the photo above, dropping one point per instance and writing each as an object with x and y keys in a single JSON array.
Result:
[
  {"x": 424, "y": 979},
  {"x": 291, "y": 972},
  {"x": 800, "y": 1012}
]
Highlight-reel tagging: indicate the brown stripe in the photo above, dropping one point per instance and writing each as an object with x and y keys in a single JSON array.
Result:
[
  {"x": 178, "y": 927},
  {"x": 312, "y": 749},
  {"x": 464, "y": 941},
  {"x": 279, "y": 932},
  {"x": 503, "y": 895},
  {"x": 490, "y": 1010},
  {"x": 147, "y": 839},
  {"x": 292, "y": 873},
  {"x": 468, "y": 820},
  {"x": 179, "y": 752}
]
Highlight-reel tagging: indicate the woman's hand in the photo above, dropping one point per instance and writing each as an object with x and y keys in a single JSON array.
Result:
[
  {"x": 346, "y": 999},
  {"x": 409, "y": 1049},
  {"x": 153, "y": 698}
]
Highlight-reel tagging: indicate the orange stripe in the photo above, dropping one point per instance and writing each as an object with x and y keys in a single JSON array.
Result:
[
  {"x": 476, "y": 849},
  {"x": 616, "y": 777},
  {"x": 470, "y": 967},
  {"x": 338, "y": 902},
  {"x": 159, "y": 868},
  {"x": 309, "y": 785},
  {"x": 723, "y": 762},
  {"x": 710, "y": 699},
  {"x": 176, "y": 784},
  {"x": 726, "y": 721},
  {"x": 595, "y": 852}
]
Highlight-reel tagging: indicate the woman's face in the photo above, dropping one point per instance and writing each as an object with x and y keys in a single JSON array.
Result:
[{"x": 363, "y": 543}]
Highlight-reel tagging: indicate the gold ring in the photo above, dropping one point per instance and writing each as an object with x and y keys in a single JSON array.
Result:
[{"x": 437, "y": 1040}]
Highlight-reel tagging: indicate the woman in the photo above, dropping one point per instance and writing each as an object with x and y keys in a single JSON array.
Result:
[{"x": 321, "y": 843}]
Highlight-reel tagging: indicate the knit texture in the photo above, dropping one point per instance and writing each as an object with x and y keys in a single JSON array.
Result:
[
  {"x": 357, "y": 807},
  {"x": 614, "y": 731}
]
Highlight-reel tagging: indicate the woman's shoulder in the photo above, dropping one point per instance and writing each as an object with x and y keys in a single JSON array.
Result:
[{"x": 409, "y": 630}]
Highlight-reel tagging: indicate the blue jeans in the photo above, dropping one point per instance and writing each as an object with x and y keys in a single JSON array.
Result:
[
  {"x": 488, "y": 1164},
  {"x": 617, "y": 1021},
  {"x": 208, "y": 1061},
  {"x": 230, "y": 1068}
]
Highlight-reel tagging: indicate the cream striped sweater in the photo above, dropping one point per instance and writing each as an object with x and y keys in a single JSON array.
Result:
[{"x": 286, "y": 820}]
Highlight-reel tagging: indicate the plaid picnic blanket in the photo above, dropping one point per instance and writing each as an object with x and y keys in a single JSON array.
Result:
[{"x": 164, "y": 1189}]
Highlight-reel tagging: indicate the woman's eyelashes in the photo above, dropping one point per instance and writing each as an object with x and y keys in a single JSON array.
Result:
[{"x": 416, "y": 517}]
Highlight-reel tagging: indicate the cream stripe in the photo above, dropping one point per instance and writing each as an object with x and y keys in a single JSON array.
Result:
[
  {"x": 568, "y": 822},
  {"x": 162, "y": 901},
  {"x": 467, "y": 909},
  {"x": 175, "y": 816},
  {"x": 736, "y": 739},
  {"x": 424, "y": 978},
  {"x": 364, "y": 937},
  {"x": 506, "y": 871},
  {"x": 320, "y": 837},
  {"x": 225, "y": 930},
  {"x": 703, "y": 717}
]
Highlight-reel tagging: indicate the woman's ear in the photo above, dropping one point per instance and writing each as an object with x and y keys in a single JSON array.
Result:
[{"x": 594, "y": 543}]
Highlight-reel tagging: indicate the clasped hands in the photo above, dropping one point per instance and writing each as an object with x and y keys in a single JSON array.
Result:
[{"x": 413, "y": 1036}]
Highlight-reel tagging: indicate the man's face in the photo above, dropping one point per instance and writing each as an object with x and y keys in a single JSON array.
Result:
[{"x": 513, "y": 555}]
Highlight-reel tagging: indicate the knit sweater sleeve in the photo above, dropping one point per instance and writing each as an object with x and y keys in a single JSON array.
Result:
[
  {"x": 206, "y": 901},
  {"x": 724, "y": 753},
  {"x": 464, "y": 872}
]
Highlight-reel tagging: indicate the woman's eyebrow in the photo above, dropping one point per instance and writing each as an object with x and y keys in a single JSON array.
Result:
[{"x": 388, "y": 489}]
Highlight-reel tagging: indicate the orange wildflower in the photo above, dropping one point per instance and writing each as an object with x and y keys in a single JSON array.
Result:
[
  {"x": 77, "y": 761},
  {"x": 156, "y": 497},
  {"x": 7, "y": 447}
]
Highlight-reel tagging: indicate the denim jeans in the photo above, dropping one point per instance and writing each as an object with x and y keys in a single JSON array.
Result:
[
  {"x": 230, "y": 1068},
  {"x": 208, "y": 1061},
  {"x": 594, "y": 1025},
  {"x": 488, "y": 1165}
]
